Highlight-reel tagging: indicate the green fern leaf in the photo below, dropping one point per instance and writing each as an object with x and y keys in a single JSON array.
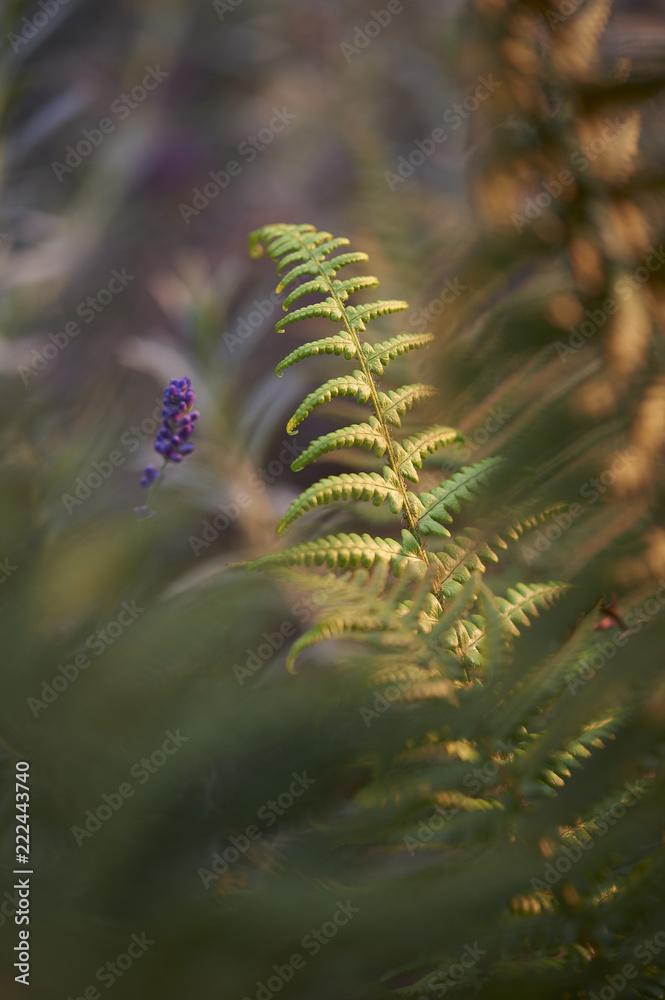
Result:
[
  {"x": 299, "y": 271},
  {"x": 332, "y": 266},
  {"x": 523, "y": 601},
  {"x": 346, "y": 385},
  {"x": 340, "y": 551},
  {"x": 343, "y": 624},
  {"x": 378, "y": 355},
  {"x": 359, "y": 316},
  {"x": 307, "y": 288},
  {"x": 526, "y": 599},
  {"x": 460, "y": 559},
  {"x": 343, "y": 289},
  {"x": 432, "y": 508},
  {"x": 328, "y": 309},
  {"x": 347, "y": 486},
  {"x": 412, "y": 450},
  {"x": 396, "y": 402},
  {"x": 339, "y": 344},
  {"x": 319, "y": 264},
  {"x": 365, "y": 436}
]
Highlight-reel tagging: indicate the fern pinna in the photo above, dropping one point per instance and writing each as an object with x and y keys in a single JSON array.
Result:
[{"x": 307, "y": 258}]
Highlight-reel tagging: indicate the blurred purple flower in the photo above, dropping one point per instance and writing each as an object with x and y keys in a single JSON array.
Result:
[
  {"x": 149, "y": 476},
  {"x": 178, "y": 422}
]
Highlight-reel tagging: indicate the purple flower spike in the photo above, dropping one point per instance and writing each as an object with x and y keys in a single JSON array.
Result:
[
  {"x": 149, "y": 476},
  {"x": 178, "y": 423}
]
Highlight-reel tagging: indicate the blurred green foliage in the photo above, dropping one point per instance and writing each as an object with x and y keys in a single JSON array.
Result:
[{"x": 500, "y": 296}]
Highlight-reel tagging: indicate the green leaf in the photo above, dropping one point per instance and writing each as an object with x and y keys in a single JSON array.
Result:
[
  {"x": 332, "y": 266},
  {"x": 328, "y": 309},
  {"x": 339, "y": 344},
  {"x": 462, "y": 558},
  {"x": 432, "y": 508},
  {"x": 347, "y": 486},
  {"x": 396, "y": 402},
  {"x": 309, "y": 267},
  {"x": 360, "y": 315},
  {"x": 412, "y": 450},
  {"x": 363, "y": 435},
  {"x": 524, "y": 600},
  {"x": 307, "y": 288},
  {"x": 378, "y": 355},
  {"x": 343, "y": 289},
  {"x": 346, "y": 385},
  {"x": 338, "y": 552}
]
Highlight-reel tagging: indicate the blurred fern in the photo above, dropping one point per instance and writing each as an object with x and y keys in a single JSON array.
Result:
[{"x": 437, "y": 637}]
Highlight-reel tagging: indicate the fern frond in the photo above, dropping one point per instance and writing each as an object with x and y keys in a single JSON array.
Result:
[
  {"x": 359, "y": 316},
  {"x": 524, "y": 600},
  {"x": 342, "y": 625},
  {"x": 309, "y": 267},
  {"x": 307, "y": 288},
  {"x": 365, "y": 436},
  {"x": 412, "y": 450},
  {"x": 347, "y": 486},
  {"x": 396, "y": 402},
  {"x": 461, "y": 558},
  {"x": 432, "y": 508},
  {"x": 339, "y": 344},
  {"x": 377, "y": 356},
  {"x": 333, "y": 265},
  {"x": 328, "y": 309},
  {"x": 345, "y": 385},
  {"x": 527, "y": 522},
  {"x": 339, "y": 551},
  {"x": 345, "y": 288}
]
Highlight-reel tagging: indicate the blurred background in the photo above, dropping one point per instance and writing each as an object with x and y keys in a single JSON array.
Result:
[{"x": 502, "y": 164}]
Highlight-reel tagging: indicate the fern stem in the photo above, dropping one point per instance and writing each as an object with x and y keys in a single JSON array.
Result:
[{"x": 360, "y": 355}]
